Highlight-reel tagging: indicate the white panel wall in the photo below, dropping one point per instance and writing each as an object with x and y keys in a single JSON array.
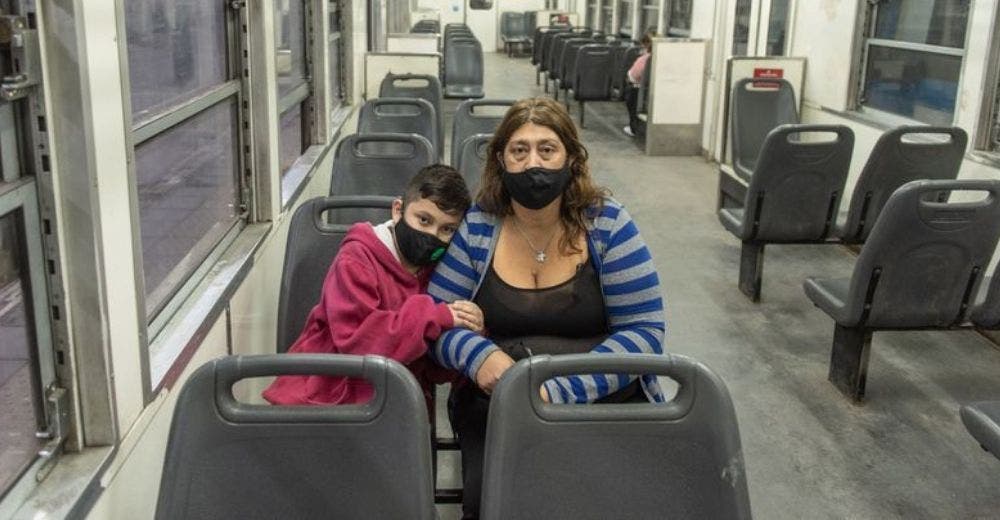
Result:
[{"x": 830, "y": 56}]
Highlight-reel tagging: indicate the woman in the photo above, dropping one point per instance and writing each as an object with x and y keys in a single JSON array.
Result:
[
  {"x": 556, "y": 266},
  {"x": 636, "y": 126}
]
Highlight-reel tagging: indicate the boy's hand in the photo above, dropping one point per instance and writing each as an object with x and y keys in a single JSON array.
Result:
[
  {"x": 492, "y": 370},
  {"x": 467, "y": 314}
]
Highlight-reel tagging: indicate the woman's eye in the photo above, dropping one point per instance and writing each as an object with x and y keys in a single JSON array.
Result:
[{"x": 425, "y": 220}]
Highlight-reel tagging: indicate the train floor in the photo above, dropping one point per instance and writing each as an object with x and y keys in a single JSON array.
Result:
[{"x": 809, "y": 451}]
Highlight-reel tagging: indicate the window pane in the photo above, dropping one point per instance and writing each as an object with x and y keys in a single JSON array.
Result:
[
  {"x": 741, "y": 30},
  {"x": 336, "y": 81},
  {"x": 606, "y": 14},
  {"x": 292, "y": 144},
  {"x": 679, "y": 19},
  {"x": 290, "y": 40},
  {"x": 914, "y": 84},
  {"x": 20, "y": 406},
  {"x": 187, "y": 197},
  {"x": 625, "y": 17},
  {"x": 649, "y": 14},
  {"x": 176, "y": 50},
  {"x": 935, "y": 22},
  {"x": 777, "y": 27}
]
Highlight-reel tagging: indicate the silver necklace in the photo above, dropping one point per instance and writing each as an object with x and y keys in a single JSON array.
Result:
[{"x": 539, "y": 253}]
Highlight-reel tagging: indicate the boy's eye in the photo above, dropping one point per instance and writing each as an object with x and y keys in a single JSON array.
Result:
[
  {"x": 449, "y": 230},
  {"x": 424, "y": 220}
]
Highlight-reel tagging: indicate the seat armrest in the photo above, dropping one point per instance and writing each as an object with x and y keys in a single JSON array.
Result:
[
  {"x": 982, "y": 419},
  {"x": 732, "y": 220}
]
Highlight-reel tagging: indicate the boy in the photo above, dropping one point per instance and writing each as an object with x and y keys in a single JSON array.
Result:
[{"x": 373, "y": 299}]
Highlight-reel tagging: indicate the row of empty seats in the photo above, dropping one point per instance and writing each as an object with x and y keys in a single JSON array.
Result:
[
  {"x": 589, "y": 64},
  {"x": 462, "y": 73},
  {"x": 373, "y": 460},
  {"x": 927, "y": 240},
  {"x": 515, "y": 31}
]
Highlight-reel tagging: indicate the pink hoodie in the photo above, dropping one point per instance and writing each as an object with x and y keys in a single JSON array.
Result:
[{"x": 370, "y": 305}]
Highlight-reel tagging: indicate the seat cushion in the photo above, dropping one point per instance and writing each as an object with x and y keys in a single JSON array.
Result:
[
  {"x": 830, "y": 295},
  {"x": 982, "y": 419},
  {"x": 732, "y": 220}
]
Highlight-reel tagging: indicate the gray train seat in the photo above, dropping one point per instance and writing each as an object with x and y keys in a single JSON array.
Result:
[
  {"x": 311, "y": 245},
  {"x": 622, "y": 58},
  {"x": 422, "y": 86},
  {"x": 793, "y": 195},
  {"x": 895, "y": 160},
  {"x": 680, "y": 459},
  {"x": 982, "y": 419},
  {"x": 567, "y": 70},
  {"x": 593, "y": 78},
  {"x": 513, "y": 31},
  {"x": 756, "y": 110},
  {"x": 544, "y": 50},
  {"x": 471, "y": 117},
  {"x": 554, "y": 56},
  {"x": 463, "y": 69},
  {"x": 919, "y": 269},
  {"x": 400, "y": 116},
  {"x": 227, "y": 459},
  {"x": 472, "y": 159},
  {"x": 378, "y": 164}
]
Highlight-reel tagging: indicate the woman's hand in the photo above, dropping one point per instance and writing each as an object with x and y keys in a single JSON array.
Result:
[
  {"x": 492, "y": 370},
  {"x": 467, "y": 314}
]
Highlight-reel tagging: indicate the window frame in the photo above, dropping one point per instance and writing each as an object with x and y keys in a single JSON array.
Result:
[
  {"x": 648, "y": 10},
  {"x": 988, "y": 127},
  {"x": 867, "y": 41}
]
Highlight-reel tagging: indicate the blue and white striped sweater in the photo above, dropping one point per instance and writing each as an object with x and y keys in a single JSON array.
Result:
[{"x": 628, "y": 280}]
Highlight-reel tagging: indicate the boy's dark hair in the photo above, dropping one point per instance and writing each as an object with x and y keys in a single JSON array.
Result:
[
  {"x": 442, "y": 185},
  {"x": 647, "y": 39}
]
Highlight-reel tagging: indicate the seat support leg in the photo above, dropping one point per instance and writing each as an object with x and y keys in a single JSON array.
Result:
[
  {"x": 555, "y": 90},
  {"x": 582, "y": 114},
  {"x": 751, "y": 269},
  {"x": 849, "y": 360},
  {"x": 537, "y": 81},
  {"x": 546, "y": 78}
]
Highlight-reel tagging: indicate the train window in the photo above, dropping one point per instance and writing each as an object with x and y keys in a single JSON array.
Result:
[
  {"x": 293, "y": 81},
  {"x": 648, "y": 15},
  {"x": 913, "y": 58},
  {"x": 336, "y": 54},
  {"x": 185, "y": 90},
  {"x": 590, "y": 19},
  {"x": 677, "y": 18},
  {"x": 777, "y": 28},
  {"x": 607, "y": 13},
  {"x": 741, "y": 29},
  {"x": 625, "y": 8}
]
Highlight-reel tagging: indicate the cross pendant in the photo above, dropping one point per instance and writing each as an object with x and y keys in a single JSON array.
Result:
[{"x": 540, "y": 256}]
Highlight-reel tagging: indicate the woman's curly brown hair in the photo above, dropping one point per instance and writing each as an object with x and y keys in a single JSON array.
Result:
[{"x": 581, "y": 194}]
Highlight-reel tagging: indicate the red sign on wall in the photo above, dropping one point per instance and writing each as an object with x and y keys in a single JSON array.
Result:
[{"x": 767, "y": 73}]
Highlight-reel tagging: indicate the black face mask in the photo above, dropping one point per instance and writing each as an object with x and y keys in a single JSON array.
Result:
[
  {"x": 537, "y": 187},
  {"x": 417, "y": 247}
]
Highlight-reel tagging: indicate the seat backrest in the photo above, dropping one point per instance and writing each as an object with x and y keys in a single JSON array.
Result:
[
  {"x": 227, "y": 459},
  {"x": 568, "y": 61},
  {"x": 895, "y": 160},
  {"x": 463, "y": 62},
  {"x": 422, "y": 86},
  {"x": 377, "y": 164},
  {"x": 511, "y": 24},
  {"x": 593, "y": 77},
  {"x": 924, "y": 259},
  {"x": 555, "y": 54},
  {"x": 472, "y": 159},
  {"x": 680, "y": 459},
  {"x": 471, "y": 118},
  {"x": 400, "y": 116},
  {"x": 795, "y": 190},
  {"x": 311, "y": 245},
  {"x": 623, "y": 58},
  {"x": 545, "y": 49},
  {"x": 757, "y": 108}
]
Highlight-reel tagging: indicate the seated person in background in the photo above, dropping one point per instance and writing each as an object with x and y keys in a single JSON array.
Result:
[
  {"x": 636, "y": 126},
  {"x": 374, "y": 301},
  {"x": 557, "y": 267}
]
